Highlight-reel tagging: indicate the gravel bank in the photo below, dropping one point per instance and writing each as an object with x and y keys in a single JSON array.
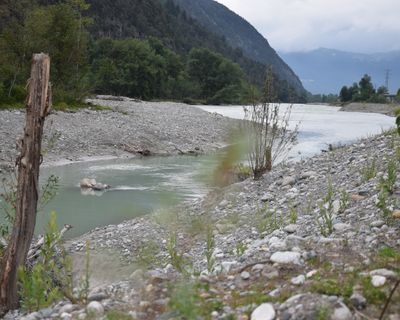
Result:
[
  {"x": 271, "y": 246},
  {"x": 130, "y": 127},
  {"x": 386, "y": 109}
]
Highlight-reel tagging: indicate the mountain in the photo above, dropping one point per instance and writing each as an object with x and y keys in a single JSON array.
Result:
[
  {"x": 327, "y": 71},
  {"x": 181, "y": 27},
  {"x": 240, "y": 34}
]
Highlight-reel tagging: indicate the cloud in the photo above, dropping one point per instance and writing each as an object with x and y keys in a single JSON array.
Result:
[{"x": 350, "y": 25}]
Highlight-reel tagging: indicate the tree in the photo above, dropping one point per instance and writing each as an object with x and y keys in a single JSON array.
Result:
[
  {"x": 37, "y": 108},
  {"x": 346, "y": 94},
  {"x": 366, "y": 88}
]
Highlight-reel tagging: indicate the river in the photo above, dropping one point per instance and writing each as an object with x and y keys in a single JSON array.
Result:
[{"x": 140, "y": 186}]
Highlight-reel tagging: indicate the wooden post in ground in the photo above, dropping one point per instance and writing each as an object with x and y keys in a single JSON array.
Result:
[{"x": 38, "y": 105}]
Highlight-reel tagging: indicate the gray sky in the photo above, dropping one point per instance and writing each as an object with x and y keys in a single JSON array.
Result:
[{"x": 350, "y": 25}]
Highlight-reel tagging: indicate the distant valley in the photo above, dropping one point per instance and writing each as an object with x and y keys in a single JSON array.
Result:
[{"x": 326, "y": 70}]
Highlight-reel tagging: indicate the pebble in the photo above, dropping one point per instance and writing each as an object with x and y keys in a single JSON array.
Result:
[
  {"x": 342, "y": 313},
  {"x": 384, "y": 273},
  {"x": 265, "y": 311},
  {"x": 358, "y": 301},
  {"x": 245, "y": 275},
  {"x": 377, "y": 223},
  {"x": 291, "y": 228},
  {"x": 95, "y": 308},
  {"x": 286, "y": 257},
  {"x": 299, "y": 280},
  {"x": 378, "y": 281}
]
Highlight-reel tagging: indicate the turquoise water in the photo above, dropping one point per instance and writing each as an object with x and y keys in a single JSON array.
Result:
[{"x": 138, "y": 186}]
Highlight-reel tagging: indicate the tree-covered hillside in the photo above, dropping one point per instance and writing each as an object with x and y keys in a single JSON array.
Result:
[{"x": 144, "y": 49}]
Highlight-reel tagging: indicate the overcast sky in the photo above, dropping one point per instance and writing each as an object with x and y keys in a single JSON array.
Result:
[{"x": 350, "y": 25}]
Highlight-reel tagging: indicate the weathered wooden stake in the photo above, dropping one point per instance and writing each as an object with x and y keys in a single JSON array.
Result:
[{"x": 37, "y": 108}]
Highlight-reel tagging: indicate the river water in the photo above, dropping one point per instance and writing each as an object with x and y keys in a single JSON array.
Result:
[{"x": 140, "y": 186}]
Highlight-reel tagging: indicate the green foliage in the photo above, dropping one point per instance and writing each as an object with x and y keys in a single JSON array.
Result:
[
  {"x": 57, "y": 29},
  {"x": 210, "y": 247},
  {"x": 185, "y": 301},
  {"x": 176, "y": 258},
  {"x": 293, "y": 215},
  {"x": 37, "y": 288},
  {"x": 363, "y": 91},
  {"x": 325, "y": 215},
  {"x": 343, "y": 201},
  {"x": 369, "y": 170},
  {"x": 267, "y": 220},
  {"x": 240, "y": 248},
  {"x": 373, "y": 295},
  {"x": 388, "y": 183}
]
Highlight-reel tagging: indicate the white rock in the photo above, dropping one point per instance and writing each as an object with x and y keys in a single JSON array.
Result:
[
  {"x": 378, "y": 281},
  {"x": 342, "y": 313},
  {"x": 311, "y": 274},
  {"x": 265, "y": 311},
  {"x": 291, "y": 228},
  {"x": 286, "y": 257},
  {"x": 341, "y": 226},
  {"x": 377, "y": 223},
  {"x": 227, "y": 265},
  {"x": 65, "y": 316},
  {"x": 245, "y": 275},
  {"x": 384, "y": 273},
  {"x": 299, "y": 280},
  {"x": 288, "y": 181},
  {"x": 95, "y": 308}
]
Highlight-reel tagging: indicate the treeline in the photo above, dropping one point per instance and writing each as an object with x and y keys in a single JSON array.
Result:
[
  {"x": 363, "y": 91},
  {"x": 82, "y": 64}
]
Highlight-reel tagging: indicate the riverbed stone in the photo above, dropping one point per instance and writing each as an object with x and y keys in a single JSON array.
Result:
[
  {"x": 265, "y": 311},
  {"x": 95, "y": 308},
  {"x": 286, "y": 257}
]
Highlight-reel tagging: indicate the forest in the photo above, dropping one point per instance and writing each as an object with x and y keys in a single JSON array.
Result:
[{"x": 149, "y": 62}]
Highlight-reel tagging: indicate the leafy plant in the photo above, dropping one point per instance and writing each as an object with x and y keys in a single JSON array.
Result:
[
  {"x": 210, "y": 246},
  {"x": 325, "y": 215},
  {"x": 240, "y": 249},
  {"x": 369, "y": 171},
  {"x": 176, "y": 259},
  {"x": 293, "y": 215},
  {"x": 387, "y": 184},
  {"x": 343, "y": 201},
  {"x": 267, "y": 220},
  {"x": 267, "y": 131}
]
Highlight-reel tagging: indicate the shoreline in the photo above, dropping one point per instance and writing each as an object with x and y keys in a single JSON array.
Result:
[
  {"x": 264, "y": 232},
  {"x": 130, "y": 128}
]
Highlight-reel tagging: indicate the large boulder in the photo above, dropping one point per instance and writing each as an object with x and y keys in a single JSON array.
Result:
[{"x": 87, "y": 183}]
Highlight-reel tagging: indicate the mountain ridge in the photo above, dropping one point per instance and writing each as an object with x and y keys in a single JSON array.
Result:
[
  {"x": 239, "y": 33},
  {"x": 325, "y": 70}
]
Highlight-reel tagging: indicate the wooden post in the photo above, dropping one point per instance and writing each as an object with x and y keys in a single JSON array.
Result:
[{"x": 37, "y": 108}]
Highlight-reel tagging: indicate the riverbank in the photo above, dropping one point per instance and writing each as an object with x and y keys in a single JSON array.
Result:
[
  {"x": 128, "y": 128},
  {"x": 386, "y": 109},
  {"x": 270, "y": 244}
]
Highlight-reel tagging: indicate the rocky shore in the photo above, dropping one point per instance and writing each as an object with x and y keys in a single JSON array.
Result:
[
  {"x": 316, "y": 239},
  {"x": 125, "y": 128},
  {"x": 386, "y": 109},
  {"x": 311, "y": 240}
]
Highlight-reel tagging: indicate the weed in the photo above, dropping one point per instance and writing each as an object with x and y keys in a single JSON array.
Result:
[
  {"x": 293, "y": 215},
  {"x": 210, "y": 246},
  {"x": 333, "y": 287},
  {"x": 185, "y": 301},
  {"x": 117, "y": 315},
  {"x": 387, "y": 184},
  {"x": 268, "y": 220},
  {"x": 383, "y": 205},
  {"x": 323, "y": 313},
  {"x": 176, "y": 259},
  {"x": 240, "y": 249},
  {"x": 147, "y": 254},
  {"x": 343, "y": 201},
  {"x": 325, "y": 216},
  {"x": 369, "y": 171},
  {"x": 388, "y": 252},
  {"x": 373, "y": 295}
]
